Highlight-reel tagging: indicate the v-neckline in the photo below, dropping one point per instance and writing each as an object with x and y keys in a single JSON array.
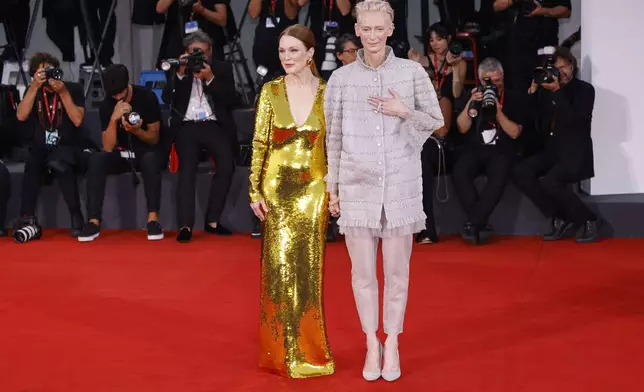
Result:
[{"x": 288, "y": 104}]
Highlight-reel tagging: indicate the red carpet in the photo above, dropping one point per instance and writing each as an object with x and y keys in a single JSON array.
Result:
[{"x": 123, "y": 314}]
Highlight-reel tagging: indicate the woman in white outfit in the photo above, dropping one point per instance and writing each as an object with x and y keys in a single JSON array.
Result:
[{"x": 379, "y": 112}]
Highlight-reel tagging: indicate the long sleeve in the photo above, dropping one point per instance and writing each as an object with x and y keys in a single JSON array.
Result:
[
  {"x": 426, "y": 116},
  {"x": 263, "y": 125},
  {"x": 576, "y": 112},
  {"x": 333, "y": 119},
  {"x": 222, "y": 87}
]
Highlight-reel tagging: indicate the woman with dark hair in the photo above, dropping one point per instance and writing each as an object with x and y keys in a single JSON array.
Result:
[
  {"x": 447, "y": 78},
  {"x": 288, "y": 194},
  {"x": 442, "y": 66}
]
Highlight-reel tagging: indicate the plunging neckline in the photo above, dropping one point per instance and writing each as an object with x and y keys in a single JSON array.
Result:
[{"x": 288, "y": 104}]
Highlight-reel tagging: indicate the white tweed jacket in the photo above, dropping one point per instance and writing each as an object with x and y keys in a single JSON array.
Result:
[{"x": 374, "y": 159}]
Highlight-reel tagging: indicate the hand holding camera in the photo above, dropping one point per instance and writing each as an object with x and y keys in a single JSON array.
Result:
[
  {"x": 484, "y": 99},
  {"x": 121, "y": 109},
  {"x": 192, "y": 63},
  {"x": 205, "y": 74}
]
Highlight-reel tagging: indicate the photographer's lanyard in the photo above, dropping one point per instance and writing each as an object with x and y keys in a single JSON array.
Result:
[
  {"x": 273, "y": 7},
  {"x": 50, "y": 110},
  {"x": 440, "y": 80},
  {"x": 51, "y": 131}
]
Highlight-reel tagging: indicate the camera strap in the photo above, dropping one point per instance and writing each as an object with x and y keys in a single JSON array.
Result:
[{"x": 437, "y": 72}]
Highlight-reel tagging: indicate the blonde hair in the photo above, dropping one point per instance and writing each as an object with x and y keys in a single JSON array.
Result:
[{"x": 375, "y": 6}]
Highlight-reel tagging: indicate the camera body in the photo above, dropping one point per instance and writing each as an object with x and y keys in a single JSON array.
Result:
[
  {"x": 186, "y": 3},
  {"x": 545, "y": 72},
  {"x": 53, "y": 73},
  {"x": 194, "y": 62},
  {"x": 488, "y": 105}
]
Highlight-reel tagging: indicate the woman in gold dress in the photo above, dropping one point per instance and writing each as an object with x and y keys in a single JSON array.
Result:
[{"x": 288, "y": 194}]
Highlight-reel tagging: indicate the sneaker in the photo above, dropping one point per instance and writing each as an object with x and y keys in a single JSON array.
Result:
[
  {"x": 155, "y": 231},
  {"x": 89, "y": 233},
  {"x": 185, "y": 235}
]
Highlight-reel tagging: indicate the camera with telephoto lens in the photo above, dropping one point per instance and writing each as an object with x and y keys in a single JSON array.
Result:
[
  {"x": 488, "y": 105},
  {"x": 194, "y": 62},
  {"x": 330, "y": 35},
  {"x": 27, "y": 229},
  {"x": 53, "y": 73},
  {"x": 132, "y": 118},
  {"x": 546, "y": 72}
]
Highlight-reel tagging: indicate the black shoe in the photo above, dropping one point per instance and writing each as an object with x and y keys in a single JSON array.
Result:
[
  {"x": 470, "y": 233},
  {"x": 485, "y": 233},
  {"x": 426, "y": 237},
  {"x": 219, "y": 230},
  {"x": 589, "y": 232},
  {"x": 257, "y": 231},
  {"x": 185, "y": 235},
  {"x": 77, "y": 225},
  {"x": 4, "y": 232},
  {"x": 155, "y": 231},
  {"x": 90, "y": 232},
  {"x": 558, "y": 229}
]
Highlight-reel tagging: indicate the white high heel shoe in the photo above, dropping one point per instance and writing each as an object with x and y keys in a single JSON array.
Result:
[
  {"x": 394, "y": 374},
  {"x": 373, "y": 376}
]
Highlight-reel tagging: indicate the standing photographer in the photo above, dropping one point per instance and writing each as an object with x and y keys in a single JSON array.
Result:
[
  {"x": 5, "y": 193},
  {"x": 50, "y": 114},
  {"x": 565, "y": 106},
  {"x": 130, "y": 119},
  {"x": 492, "y": 119},
  {"x": 201, "y": 96},
  {"x": 184, "y": 17},
  {"x": 274, "y": 16},
  {"x": 329, "y": 20},
  {"x": 534, "y": 25}
]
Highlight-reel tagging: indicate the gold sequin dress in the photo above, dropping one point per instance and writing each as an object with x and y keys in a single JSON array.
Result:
[{"x": 287, "y": 171}]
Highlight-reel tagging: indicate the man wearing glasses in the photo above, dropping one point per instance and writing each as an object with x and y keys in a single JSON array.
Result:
[{"x": 346, "y": 48}]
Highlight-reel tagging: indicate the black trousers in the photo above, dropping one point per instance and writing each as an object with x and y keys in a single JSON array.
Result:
[
  {"x": 102, "y": 164},
  {"x": 474, "y": 161},
  {"x": 431, "y": 159},
  {"x": 16, "y": 20},
  {"x": 98, "y": 11},
  {"x": 192, "y": 138},
  {"x": 5, "y": 192},
  {"x": 548, "y": 185},
  {"x": 61, "y": 160}
]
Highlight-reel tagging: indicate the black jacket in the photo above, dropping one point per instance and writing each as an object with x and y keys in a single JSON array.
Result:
[
  {"x": 565, "y": 119},
  {"x": 221, "y": 95}
]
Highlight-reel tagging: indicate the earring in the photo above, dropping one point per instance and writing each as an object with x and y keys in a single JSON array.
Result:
[{"x": 309, "y": 62}]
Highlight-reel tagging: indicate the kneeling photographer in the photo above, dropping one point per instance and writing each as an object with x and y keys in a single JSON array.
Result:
[
  {"x": 130, "y": 119},
  {"x": 50, "y": 114},
  {"x": 201, "y": 93},
  {"x": 492, "y": 119},
  {"x": 565, "y": 108}
]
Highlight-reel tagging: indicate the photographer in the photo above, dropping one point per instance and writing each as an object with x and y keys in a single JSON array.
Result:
[
  {"x": 201, "y": 96},
  {"x": 274, "y": 16},
  {"x": 534, "y": 25},
  {"x": 130, "y": 118},
  {"x": 50, "y": 114},
  {"x": 492, "y": 119},
  {"x": 329, "y": 20},
  {"x": 565, "y": 106},
  {"x": 346, "y": 48},
  {"x": 184, "y": 17},
  {"x": 5, "y": 193}
]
